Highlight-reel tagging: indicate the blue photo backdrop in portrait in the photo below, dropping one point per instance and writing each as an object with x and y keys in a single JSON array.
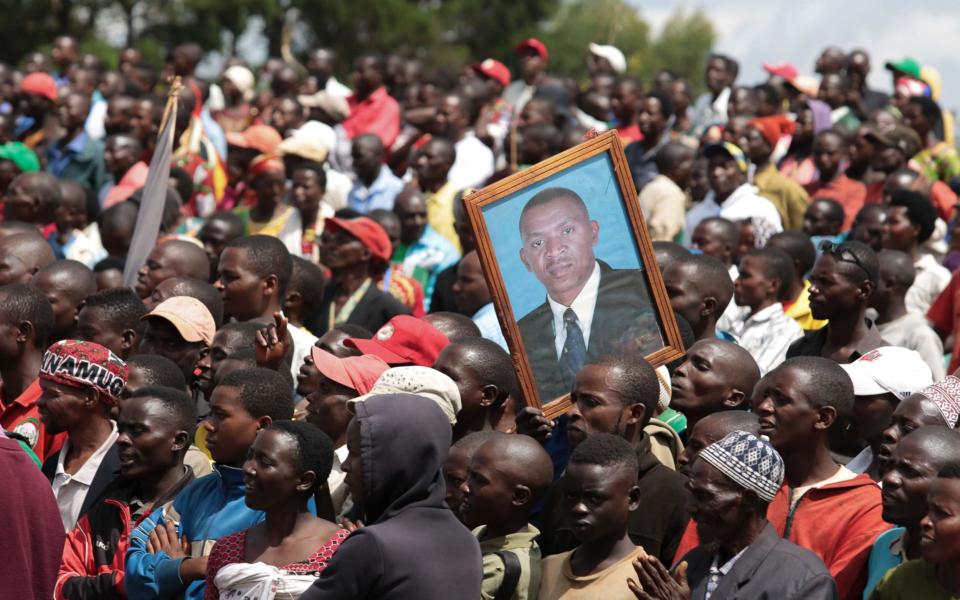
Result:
[{"x": 595, "y": 181}]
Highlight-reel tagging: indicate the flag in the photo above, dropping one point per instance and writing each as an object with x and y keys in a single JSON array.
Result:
[{"x": 154, "y": 192}]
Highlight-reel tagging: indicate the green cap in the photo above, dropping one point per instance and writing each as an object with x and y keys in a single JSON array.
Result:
[
  {"x": 19, "y": 154},
  {"x": 906, "y": 65}
]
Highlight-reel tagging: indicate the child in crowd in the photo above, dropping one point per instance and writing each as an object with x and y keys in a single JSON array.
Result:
[
  {"x": 760, "y": 325},
  {"x": 600, "y": 491},
  {"x": 508, "y": 476}
]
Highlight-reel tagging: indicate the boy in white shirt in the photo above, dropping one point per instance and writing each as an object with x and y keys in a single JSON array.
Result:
[{"x": 759, "y": 324}]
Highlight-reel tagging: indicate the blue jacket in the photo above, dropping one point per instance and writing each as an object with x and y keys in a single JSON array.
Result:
[{"x": 209, "y": 508}]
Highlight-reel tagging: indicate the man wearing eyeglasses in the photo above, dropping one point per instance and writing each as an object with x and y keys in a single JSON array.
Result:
[{"x": 841, "y": 283}]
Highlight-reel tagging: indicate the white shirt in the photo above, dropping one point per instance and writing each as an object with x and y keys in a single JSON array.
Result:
[
  {"x": 338, "y": 188},
  {"x": 336, "y": 88},
  {"x": 473, "y": 164},
  {"x": 338, "y": 489},
  {"x": 486, "y": 321},
  {"x": 766, "y": 335},
  {"x": 746, "y": 203},
  {"x": 931, "y": 279},
  {"x": 517, "y": 94},
  {"x": 71, "y": 490},
  {"x": 912, "y": 331},
  {"x": 583, "y": 305},
  {"x": 303, "y": 342}
]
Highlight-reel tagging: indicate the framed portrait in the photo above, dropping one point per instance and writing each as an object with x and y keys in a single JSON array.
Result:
[{"x": 569, "y": 264}]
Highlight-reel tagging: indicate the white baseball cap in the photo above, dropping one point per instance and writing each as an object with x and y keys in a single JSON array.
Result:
[
  {"x": 613, "y": 55},
  {"x": 889, "y": 370}
]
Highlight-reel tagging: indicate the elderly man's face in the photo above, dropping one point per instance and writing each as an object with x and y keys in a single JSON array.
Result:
[
  {"x": 558, "y": 239},
  {"x": 714, "y": 505}
]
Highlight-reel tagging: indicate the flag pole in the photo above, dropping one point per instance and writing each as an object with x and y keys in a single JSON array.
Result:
[{"x": 154, "y": 195}]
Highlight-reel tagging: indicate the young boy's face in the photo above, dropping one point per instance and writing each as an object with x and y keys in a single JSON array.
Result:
[
  {"x": 752, "y": 287},
  {"x": 597, "y": 500},
  {"x": 230, "y": 428},
  {"x": 487, "y": 494}
]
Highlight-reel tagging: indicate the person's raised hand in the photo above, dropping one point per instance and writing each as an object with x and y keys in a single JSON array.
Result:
[
  {"x": 656, "y": 583},
  {"x": 530, "y": 421},
  {"x": 272, "y": 342}
]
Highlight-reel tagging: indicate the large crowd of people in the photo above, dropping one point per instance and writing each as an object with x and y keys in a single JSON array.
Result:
[{"x": 306, "y": 391}]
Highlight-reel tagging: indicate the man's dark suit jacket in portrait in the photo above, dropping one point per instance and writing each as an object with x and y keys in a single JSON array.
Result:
[{"x": 623, "y": 321}]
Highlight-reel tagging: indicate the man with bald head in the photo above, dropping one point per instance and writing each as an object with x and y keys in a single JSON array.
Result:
[
  {"x": 422, "y": 252},
  {"x": 32, "y": 198},
  {"x": 66, "y": 283},
  {"x": 507, "y": 477},
  {"x": 591, "y": 309},
  {"x": 700, "y": 289},
  {"x": 472, "y": 296},
  {"x": 169, "y": 259},
  {"x": 914, "y": 464},
  {"x": 719, "y": 238},
  {"x": 432, "y": 167},
  {"x": 896, "y": 324},
  {"x": 21, "y": 256},
  {"x": 376, "y": 185},
  {"x": 715, "y": 376}
]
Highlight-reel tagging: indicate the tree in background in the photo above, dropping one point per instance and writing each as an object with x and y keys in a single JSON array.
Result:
[
  {"x": 683, "y": 45},
  {"x": 444, "y": 34}
]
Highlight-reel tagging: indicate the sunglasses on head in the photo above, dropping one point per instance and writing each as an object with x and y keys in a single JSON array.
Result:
[{"x": 843, "y": 254}]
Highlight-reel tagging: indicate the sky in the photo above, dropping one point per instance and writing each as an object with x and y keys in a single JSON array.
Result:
[{"x": 758, "y": 31}]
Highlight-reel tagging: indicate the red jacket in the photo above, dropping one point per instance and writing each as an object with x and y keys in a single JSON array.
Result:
[
  {"x": 94, "y": 554},
  {"x": 94, "y": 569},
  {"x": 839, "y": 523}
]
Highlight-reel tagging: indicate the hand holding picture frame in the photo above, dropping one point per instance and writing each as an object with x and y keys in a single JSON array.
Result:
[{"x": 571, "y": 270}]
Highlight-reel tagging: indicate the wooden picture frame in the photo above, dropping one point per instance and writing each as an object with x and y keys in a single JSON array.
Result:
[{"x": 625, "y": 316}]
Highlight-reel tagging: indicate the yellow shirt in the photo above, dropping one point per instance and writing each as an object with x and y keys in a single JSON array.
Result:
[
  {"x": 558, "y": 582},
  {"x": 440, "y": 213},
  {"x": 787, "y": 195},
  {"x": 799, "y": 311}
]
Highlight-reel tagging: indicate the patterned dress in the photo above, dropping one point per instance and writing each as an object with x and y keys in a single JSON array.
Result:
[{"x": 229, "y": 549}]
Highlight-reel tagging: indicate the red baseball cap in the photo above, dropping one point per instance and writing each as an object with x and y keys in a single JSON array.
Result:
[
  {"x": 262, "y": 138},
  {"x": 358, "y": 373},
  {"x": 494, "y": 69},
  {"x": 404, "y": 340},
  {"x": 40, "y": 84},
  {"x": 784, "y": 69},
  {"x": 368, "y": 231},
  {"x": 535, "y": 45}
]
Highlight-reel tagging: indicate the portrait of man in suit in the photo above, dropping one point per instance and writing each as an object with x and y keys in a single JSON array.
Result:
[{"x": 590, "y": 309}]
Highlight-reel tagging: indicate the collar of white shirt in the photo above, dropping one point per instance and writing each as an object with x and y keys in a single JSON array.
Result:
[
  {"x": 86, "y": 473},
  {"x": 583, "y": 306},
  {"x": 340, "y": 455},
  {"x": 766, "y": 314}
]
